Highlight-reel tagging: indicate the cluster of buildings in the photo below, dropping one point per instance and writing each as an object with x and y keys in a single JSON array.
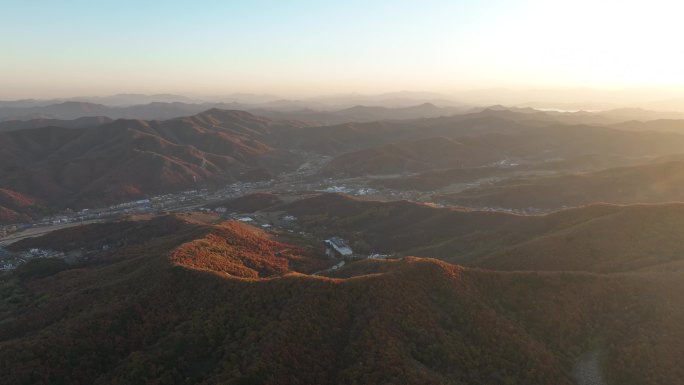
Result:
[
  {"x": 359, "y": 191},
  {"x": 6, "y": 262},
  {"x": 338, "y": 249},
  {"x": 166, "y": 202},
  {"x": 10, "y": 261},
  {"x": 521, "y": 211}
]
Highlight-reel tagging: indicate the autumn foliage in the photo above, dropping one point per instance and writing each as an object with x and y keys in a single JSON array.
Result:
[
  {"x": 239, "y": 250},
  {"x": 197, "y": 303}
]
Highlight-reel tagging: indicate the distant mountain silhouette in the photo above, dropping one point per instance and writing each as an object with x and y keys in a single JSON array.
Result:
[
  {"x": 660, "y": 125},
  {"x": 168, "y": 110},
  {"x": 11, "y": 125},
  {"x": 73, "y": 110}
]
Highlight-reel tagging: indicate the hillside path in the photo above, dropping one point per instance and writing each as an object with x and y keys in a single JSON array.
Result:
[{"x": 588, "y": 369}]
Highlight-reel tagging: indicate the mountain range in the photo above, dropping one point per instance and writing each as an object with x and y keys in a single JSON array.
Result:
[
  {"x": 241, "y": 291},
  {"x": 126, "y": 159},
  {"x": 167, "y": 110},
  {"x": 78, "y": 163},
  {"x": 478, "y": 139}
]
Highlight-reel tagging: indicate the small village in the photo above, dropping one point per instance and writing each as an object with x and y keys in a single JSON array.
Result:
[
  {"x": 305, "y": 180},
  {"x": 10, "y": 261},
  {"x": 190, "y": 200},
  {"x": 335, "y": 247}
]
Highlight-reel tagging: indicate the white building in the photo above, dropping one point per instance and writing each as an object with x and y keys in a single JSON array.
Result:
[
  {"x": 377, "y": 256},
  {"x": 337, "y": 247}
]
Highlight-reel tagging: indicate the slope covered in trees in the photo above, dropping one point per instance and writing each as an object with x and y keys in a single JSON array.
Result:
[
  {"x": 646, "y": 183},
  {"x": 140, "y": 316},
  {"x": 84, "y": 165},
  {"x": 16, "y": 207},
  {"x": 599, "y": 238},
  {"x": 127, "y": 159},
  {"x": 476, "y": 140},
  {"x": 249, "y": 203}
]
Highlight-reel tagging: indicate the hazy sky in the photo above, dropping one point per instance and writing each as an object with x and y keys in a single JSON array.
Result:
[{"x": 295, "y": 48}]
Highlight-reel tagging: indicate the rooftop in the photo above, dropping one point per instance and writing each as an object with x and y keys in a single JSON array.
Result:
[{"x": 339, "y": 245}]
